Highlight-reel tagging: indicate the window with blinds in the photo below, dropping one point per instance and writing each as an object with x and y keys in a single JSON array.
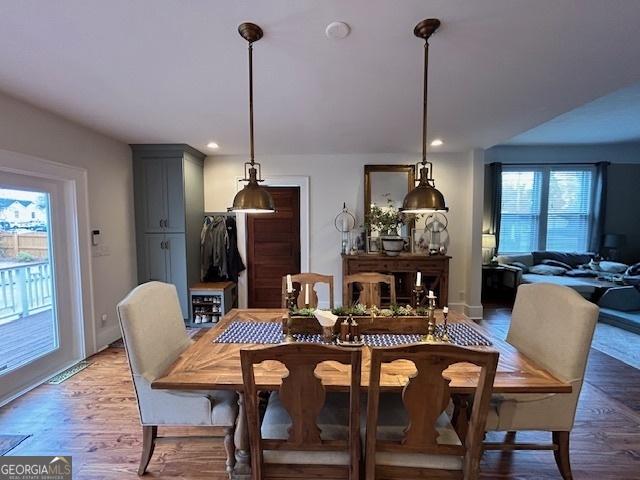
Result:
[
  {"x": 520, "y": 215},
  {"x": 546, "y": 208}
]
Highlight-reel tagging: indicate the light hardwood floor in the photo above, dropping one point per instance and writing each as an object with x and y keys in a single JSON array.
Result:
[{"x": 93, "y": 417}]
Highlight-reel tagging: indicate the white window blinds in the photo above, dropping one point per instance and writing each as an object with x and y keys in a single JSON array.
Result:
[
  {"x": 520, "y": 215},
  {"x": 546, "y": 208},
  {"x": 569, "y": 217}
]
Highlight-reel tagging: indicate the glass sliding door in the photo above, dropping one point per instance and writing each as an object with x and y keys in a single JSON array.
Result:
[
  {"x": 38, "y": 334},
  {"x": 28, "y": 326}
]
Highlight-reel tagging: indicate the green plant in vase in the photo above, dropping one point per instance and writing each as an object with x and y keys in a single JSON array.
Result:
[{"x": 385, "y": 220}]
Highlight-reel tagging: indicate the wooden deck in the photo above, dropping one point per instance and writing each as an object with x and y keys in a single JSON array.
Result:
[{"x": 26, "y": 338}]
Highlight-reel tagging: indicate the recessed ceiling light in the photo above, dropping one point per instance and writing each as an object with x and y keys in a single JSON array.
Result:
[
  {"x": 436, "y": 143},
  {"x": 212, "y": 145}
]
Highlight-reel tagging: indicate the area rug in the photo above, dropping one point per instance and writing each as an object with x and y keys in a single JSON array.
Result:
[
  {"x": 68, "y": 373},
  {"x": 9, "y": 442}
]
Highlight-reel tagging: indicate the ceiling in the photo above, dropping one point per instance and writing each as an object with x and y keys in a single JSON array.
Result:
[
  {"x": 614, "y": 118},
  {"x": 173, "y": 71}
]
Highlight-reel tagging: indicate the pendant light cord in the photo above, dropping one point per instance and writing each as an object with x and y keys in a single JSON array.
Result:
[{"x": 251, "y": 102}]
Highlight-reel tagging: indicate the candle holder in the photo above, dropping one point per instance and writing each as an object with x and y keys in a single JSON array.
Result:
[
  {"x": 286, "y": 329},
  {"x": 291, "y": 301},
  {"x": 445, "y": 329},
  {"x": 418, "y": 292},
  {"x": 430, "y": 337}
]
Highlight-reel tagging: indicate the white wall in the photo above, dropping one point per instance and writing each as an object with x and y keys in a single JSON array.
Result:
[
  {"x": 335, "y": 179},
  {"x": 29, "y": 130}
]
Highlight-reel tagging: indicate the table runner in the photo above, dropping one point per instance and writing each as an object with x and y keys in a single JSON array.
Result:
[{"x": 271, "y": 333}]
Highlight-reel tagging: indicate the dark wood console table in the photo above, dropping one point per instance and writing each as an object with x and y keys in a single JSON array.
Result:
[{"x": 434, "y": 270}]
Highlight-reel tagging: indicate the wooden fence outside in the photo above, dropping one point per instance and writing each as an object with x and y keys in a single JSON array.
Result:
[{"x": 33, "y": 243}]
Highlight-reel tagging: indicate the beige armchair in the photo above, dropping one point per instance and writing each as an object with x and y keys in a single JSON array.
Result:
[
  {"x": 154, "y": 335},
  {"x": 553, "y": 325}
]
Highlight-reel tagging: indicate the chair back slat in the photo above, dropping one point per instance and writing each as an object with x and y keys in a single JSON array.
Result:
[
  {"x": 302, "y": 394},
  {"x": 425, "y": 397},
  {"x": 369, "y": 284},
  {"x": 307, "y": 280}
]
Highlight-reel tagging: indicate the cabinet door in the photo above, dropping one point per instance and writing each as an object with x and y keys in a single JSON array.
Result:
[
  {"x": 177, "y": 267},
  {"x": 175, "y": 221},
  {"x": 155, "y": 204},
  {"x": 155, "y": 258}
]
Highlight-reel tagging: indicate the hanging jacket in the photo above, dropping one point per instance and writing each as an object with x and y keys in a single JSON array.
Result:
[
  {"x": 235, "y": 265},
  {"x": 213, "y": 247}
]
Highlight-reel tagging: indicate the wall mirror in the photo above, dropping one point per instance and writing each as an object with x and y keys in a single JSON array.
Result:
[{"x": 387, "y": 185}]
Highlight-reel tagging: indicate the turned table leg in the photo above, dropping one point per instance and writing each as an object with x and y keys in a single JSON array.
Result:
[{"x": 242, "y": 468}]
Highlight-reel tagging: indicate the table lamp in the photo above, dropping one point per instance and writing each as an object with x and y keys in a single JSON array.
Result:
[
  {"x": 488, "y": 246},
  {"x": 613, "y": 242}
]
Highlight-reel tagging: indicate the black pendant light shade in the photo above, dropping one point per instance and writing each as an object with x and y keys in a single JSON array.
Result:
[
  {"x": 252, "y": 198},
  {"x": 425, "y": 197}
]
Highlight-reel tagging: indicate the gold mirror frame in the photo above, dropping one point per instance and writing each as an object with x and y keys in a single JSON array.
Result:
[{"x": 369, "y": 169}]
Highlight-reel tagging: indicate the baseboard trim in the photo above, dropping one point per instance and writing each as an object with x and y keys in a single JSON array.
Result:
[
  {"x": 474, "y": 312},
  {"x": 107, "y": 336}
]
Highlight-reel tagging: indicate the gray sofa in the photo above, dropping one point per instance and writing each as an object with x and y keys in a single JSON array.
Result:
[
  {"x": 521, "y": 264},
  {"x": 620, "y": 306}
]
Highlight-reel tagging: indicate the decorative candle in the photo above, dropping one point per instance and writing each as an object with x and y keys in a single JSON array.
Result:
[
  {"x": 431, "y": 295},
  {"x": 289, "y": 284},
  {"x": 445, "y": 310},
  {"x": 418, "y": 279},
  {"x": 306, "y": 294}
]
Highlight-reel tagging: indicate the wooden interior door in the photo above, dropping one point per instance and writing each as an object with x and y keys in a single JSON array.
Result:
[{"x": 273, "y": 247}]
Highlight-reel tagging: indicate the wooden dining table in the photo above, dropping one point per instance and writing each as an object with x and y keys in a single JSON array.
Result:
[{"x": 207, "y": 365}]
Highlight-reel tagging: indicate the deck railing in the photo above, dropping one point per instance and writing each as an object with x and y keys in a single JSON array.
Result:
[{"x": 25, "y": 289}]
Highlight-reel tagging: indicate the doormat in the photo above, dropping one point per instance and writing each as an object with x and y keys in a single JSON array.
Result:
[
  {"x": 9, "y": 442},
  {"x": 68, "y": 373}
]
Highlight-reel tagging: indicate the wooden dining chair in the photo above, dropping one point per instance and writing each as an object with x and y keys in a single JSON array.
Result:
[
  {"x": 301, "y": 435},
  {"x": 410, "y": 435},
  {"x": 553, "y": 325},
  {"x": 310, "y": 279},
  {"x": 369, "y": 284}
]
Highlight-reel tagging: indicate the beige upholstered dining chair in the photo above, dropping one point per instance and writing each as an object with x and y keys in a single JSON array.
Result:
[
  {"x": 410, "y": 435},
  {"x": 369, "y": 283},
  {"x": 154, "y": 336},
  {"x": 552, "y": 325},
  {"x": 310, "y": 279},
  {"x": 306, "y": 432}
]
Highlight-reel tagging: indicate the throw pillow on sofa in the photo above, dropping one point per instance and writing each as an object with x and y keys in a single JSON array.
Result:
[
  {"x": 521, "y": 266},
  {"x": 556, "y": 263},
  {"x": 581, "y": 273},
  {"x": 547, "y": 270},
  {"x": 613, "y": 267},
  {"x": 570, "y": 258}
]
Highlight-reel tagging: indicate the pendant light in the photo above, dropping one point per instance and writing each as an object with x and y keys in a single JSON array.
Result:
[
  {"x": 252, "y": 198},
  {"x": 425, "y": 197}
]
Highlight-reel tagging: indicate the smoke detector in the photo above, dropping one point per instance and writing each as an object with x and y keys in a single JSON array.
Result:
[{"x": 337, "y": 30}]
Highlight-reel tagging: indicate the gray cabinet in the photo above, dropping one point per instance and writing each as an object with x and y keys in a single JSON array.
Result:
[{"x": 169, "y": 208}]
